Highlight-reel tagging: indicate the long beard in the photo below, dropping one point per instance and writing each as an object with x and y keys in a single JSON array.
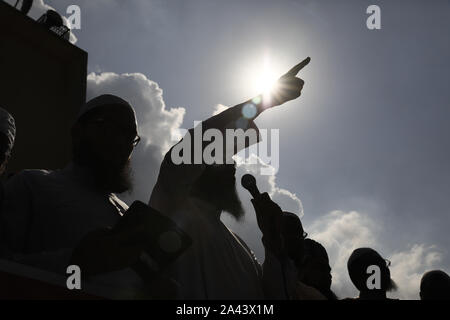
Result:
[
  {"x": 223, "y": 196},
  {"x": 108, "y": 176},
  {"x": 232, "y": 204},
  {"x": 115, "y": 179}
]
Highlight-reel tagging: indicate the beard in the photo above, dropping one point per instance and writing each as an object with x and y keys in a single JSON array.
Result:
[
  {"x": 232, "y": 204},
  {"x": 116, "y": 179},
  {"x": 109, "y": 176},
  {"x": 219, "y": 189}
]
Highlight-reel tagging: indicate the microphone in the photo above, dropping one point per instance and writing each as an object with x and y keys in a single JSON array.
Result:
[{"x": 249, "y": 182}]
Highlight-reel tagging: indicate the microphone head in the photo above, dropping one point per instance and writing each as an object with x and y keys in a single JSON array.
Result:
[{"x": 248, "y": 181}]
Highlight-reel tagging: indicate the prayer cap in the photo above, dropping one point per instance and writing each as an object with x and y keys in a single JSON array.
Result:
[{"x": 104, "y": 100}]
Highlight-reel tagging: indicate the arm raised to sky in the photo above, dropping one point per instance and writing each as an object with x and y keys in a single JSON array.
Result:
[{"x": 288, "y": 87}]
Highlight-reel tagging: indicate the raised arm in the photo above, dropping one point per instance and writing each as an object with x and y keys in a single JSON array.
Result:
[
  {"x": 175, "y": 177},
  {"x": 288, "y": 87}
]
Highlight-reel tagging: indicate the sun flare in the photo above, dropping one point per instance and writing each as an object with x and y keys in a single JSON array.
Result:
[
  {"x": 264, "y": 82},
  {"x": 263, "y": 77}
]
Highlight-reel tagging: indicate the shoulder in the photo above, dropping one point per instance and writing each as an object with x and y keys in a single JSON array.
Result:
[
  {"x": 305, "y": 292},
  {"x": 29, "y": 176},
  {"x": 21, "y": 188}
]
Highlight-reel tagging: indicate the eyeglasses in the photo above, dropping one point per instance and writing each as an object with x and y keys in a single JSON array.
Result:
[
  {"x": 388, "y": 263},
  {"x": 136, "y": 141}
]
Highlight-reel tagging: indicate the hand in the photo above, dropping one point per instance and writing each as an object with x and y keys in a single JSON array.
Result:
[
  {"x": 268, "y": 216},
  {"x": 288, "y": 87},
  {"x": 103, "y": 250}
]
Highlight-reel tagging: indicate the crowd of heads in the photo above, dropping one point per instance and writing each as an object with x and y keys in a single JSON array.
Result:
[{"x": 363, "y": 265}]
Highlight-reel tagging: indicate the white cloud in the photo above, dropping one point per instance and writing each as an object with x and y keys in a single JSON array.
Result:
[
  {"x": 409, "y": 266},
  {"x": 219, "y": 108}
]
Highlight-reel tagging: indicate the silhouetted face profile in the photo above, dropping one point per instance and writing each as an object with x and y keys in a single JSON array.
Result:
[
  {"x": 103, "y": 140},
  {"x": 358, "y": 265},
  {"x": 435, "y": 285},
  {"x": 315, "y": 269},
  {"x": 293, "y": 235},
  {"x": 217, "y": 186}
]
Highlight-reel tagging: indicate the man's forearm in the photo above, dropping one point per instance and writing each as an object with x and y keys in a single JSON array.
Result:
[{"x": 232, "y": 114}]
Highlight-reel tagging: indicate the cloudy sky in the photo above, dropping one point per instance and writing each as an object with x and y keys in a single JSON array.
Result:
[{"x": 364, "y": 154}]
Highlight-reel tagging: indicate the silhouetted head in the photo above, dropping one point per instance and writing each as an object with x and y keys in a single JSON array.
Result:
[
  {"x": 435, "y": 285},
  {"x": 103, "y": 138},
  {"x": 293, "y": 235},
  {"x": 7, "y": 137},
  {"x": 315, "y": 269},
  {"x": 217, "y": 186},
  {"x": 358, "y": 268}
]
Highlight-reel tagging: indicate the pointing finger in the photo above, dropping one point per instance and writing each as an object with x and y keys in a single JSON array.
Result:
[{"x": 293, "y": 72}]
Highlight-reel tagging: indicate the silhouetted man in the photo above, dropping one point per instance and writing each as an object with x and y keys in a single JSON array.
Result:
[
  {"x": 47, "y": 214},
  {"x": 218, "y": 265},
  {"x": 315, "y": 270},
  {"x": 293, "y": 236},
  {"x": 372, "y": 285},
  {"x": 310, "y": 259},
  {"x": 435, "y": 285}
]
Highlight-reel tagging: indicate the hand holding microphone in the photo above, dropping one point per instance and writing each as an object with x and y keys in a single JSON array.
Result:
[
  {"x": 268, "y": 215},
  {"x": 249, "y": 182}
]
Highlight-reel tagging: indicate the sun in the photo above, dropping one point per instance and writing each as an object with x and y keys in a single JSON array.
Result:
[
  {"x": 263, "y": 77},
  {"x": 264, "y": 82}
]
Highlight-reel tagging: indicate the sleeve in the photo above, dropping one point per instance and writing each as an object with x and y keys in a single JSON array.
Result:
[
  {"x": 279, "y": 277},
  {"x": 184, "y": 162}
]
